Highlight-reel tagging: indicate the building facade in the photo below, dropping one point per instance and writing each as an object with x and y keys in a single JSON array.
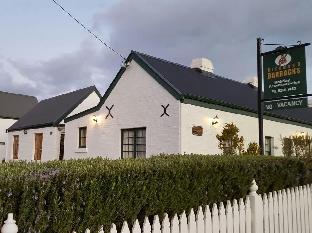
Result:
[
  {"x": 39, "y": 135},
  {"x": 155, "y": 106},
  {"x": 12, "y": 107}
]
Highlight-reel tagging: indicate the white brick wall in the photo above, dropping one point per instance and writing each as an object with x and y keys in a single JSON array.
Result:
[
  {"x": 192, "y": 115},
  {"x": 4, "y": 125},
  {"x": 50, "y": 144},
  {"x": 92, "y": 100},
  {"x": 137, "y": 100}
]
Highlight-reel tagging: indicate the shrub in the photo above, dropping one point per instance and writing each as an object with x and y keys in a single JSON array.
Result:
[
  {"x": 229, "y": 141},
  {"x": 253, "y": 149},
  {"x": 297, "y": 145},
  {"x": 61, "y": 196}
]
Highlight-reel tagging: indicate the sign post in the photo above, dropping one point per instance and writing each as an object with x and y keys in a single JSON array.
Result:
[
  {"x": 284, "y": 81},
  {"x": 260, "y": 110}
]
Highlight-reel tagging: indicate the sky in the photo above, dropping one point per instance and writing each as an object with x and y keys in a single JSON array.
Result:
[{"x": 43, "y": 52}]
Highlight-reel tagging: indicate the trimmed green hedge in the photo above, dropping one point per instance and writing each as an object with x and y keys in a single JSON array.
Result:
[{"x": 61, "y": 196}]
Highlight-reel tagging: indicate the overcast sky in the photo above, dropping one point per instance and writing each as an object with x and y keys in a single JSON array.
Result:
[{"x": 43, "y": 52}]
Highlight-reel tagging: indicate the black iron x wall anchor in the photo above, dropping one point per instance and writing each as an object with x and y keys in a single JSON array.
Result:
[
  {"x": 165, "y": 110},
  {"x": 109, "y": 114}
]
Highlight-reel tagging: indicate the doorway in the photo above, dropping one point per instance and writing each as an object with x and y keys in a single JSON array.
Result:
[
  {"x": 38, "y": 146},
  {"x": 61, "y": 156},
  {"x": 15, "y": 146}
]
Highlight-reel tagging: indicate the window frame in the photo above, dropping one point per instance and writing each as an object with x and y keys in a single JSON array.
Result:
[
  {"x": 80, "y": 137},
  {"x": 271, "y": 145},
  {"x": 135, "y": 144}
]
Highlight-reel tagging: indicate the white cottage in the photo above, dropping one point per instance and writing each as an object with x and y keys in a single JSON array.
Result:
[
  {"x": 155, "y": 106},
  {"x": 12, "y": 107},
  {"x": 39, "y": 134}
]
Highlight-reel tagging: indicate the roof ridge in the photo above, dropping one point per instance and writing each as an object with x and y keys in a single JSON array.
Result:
[
  {"x": 187, "y": 67},
  {"x": 164, "y": 60},
  {"x": 11, "y": 93},
  {"x": 67, "y": 93}
]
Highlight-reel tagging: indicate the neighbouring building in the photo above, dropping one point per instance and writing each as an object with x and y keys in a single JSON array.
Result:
[
  {"x": 12, "y": 107},
  {"x": 39, "y": 134},
  {"x": 155, "y": 106}
]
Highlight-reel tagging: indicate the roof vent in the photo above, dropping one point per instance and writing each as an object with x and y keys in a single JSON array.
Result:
[
  {"x": 202, "y": 64},
  {"x": 252, "y": 82}
]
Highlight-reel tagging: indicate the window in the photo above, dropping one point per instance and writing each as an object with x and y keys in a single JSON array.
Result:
[
  {"x": 82, "y": 137},
  {"x": 269, "y": 145},
  {"x": 133, "y": 143}
]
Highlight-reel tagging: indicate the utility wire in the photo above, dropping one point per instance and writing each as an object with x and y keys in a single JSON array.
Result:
[{"x": 88, "y": 30}]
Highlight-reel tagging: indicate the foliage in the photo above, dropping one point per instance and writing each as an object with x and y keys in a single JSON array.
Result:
[
  {"x": 253, "y": 149},
  {"x": 287, "y": 147},
  {"x": 298, "y": 145},
  {"x": 61, "y": 196},
  {"x": 229, "y": 140}
]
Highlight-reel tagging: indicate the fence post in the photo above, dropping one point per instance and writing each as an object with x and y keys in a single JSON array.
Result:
[
  {"x": 9, "y": 225},
  {"x": 256, "y": 207}
]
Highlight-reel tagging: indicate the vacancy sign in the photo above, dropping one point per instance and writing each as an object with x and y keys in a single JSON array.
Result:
[{"x": 284, "y": 75}]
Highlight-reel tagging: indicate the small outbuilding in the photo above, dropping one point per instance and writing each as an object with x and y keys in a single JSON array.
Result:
[
  {"x": 12, "y": 107},
  {"x": 39, "y": 134},
  {"x": 156, "y": 106}
]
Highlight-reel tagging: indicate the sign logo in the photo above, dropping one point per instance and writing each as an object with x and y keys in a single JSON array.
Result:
[{"x": 283, "y": 59}]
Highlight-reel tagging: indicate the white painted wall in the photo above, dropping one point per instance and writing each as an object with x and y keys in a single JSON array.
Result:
[
  {"x": 192, "y": 115},
  {"x": 92, "y": 100},
  {"x": 137, "y": 100},
  {"x": 50, "y": 144},
  {"x": 4, "y": 125}
]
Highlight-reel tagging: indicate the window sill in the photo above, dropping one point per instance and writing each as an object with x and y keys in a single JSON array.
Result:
[{"x": 81, "y": 150}]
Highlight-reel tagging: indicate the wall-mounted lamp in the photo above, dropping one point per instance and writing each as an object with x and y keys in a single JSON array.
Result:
[
  {"x": 25, "y": 131},
  {"x": 94, "y": 118},
  {"x": 215, "y": 120},
  {"x": 300, "y": 134}
]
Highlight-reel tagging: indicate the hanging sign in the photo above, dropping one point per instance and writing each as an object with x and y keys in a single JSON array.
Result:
[{"x": 284, "y": 75}]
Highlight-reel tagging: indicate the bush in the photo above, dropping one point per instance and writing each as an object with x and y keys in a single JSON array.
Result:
[
  {"x": 253, "y": 149},
  {"x": 61, "y": 196},
  {"x": 298, "y": 145},
  {"x": 229, "y": 141}
]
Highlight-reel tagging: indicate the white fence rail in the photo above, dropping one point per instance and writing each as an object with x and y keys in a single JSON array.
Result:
[{"x": 285, "y": 211}]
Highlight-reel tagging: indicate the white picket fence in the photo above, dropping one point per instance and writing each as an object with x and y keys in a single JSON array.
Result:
[{"x": 285, "y": 211}]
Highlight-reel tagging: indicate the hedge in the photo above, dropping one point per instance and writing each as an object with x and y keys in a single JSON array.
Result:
[{"x": 61, "y": 196}]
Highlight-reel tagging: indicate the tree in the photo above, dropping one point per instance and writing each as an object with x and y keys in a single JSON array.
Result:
[
  {"x": 253, "y": 149},
  {"x": 298, "y": 145},
  {"x": 229, "y": 141}
]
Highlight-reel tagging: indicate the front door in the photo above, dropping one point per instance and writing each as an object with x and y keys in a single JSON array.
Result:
[
  {"x": 38, "y": 146},
  {"x": 15, "y": 146},
  {"x": 62, "y": 147}
]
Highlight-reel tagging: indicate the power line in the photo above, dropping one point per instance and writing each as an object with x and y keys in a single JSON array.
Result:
[{"x": 88, "y": 30}]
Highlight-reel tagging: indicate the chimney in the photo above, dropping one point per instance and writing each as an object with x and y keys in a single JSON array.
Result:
[
  {"x": 202, "y": 64},
  {"x": 252, "y": 82}
]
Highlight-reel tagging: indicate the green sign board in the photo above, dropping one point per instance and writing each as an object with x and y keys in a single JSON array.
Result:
[{"x": 284, "y": 75}]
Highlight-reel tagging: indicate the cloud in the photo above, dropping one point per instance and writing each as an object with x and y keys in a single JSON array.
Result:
[
  {"x": 224, "y": 31},
  {"x": 87, "y": 66},
  {"x": 177, "y": 30}
]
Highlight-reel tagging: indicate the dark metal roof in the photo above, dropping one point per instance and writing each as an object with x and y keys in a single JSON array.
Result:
[
  {"x": 14, "y": 106},
  {"x": 199, "y": 85},
  {"x": 186, "y": 83},
  {"x": 51, "y": 112}
]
